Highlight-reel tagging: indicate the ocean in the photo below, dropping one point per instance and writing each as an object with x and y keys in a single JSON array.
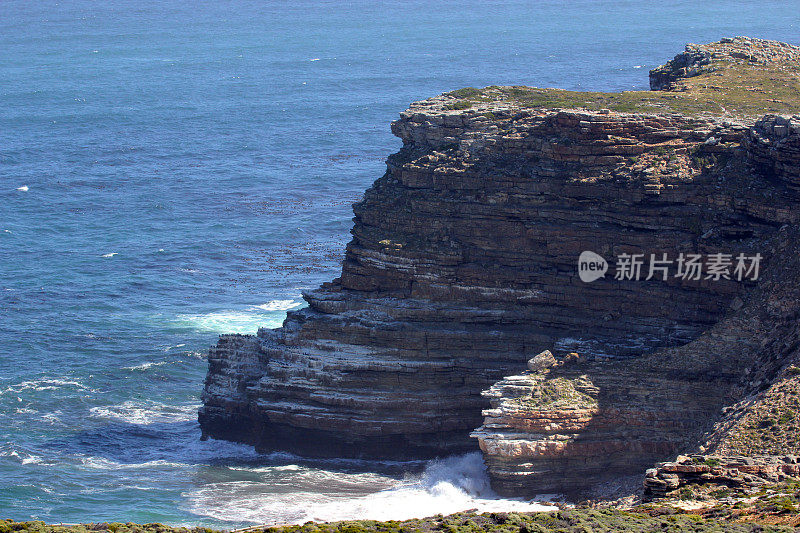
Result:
[{"x": 172, "y": 171}]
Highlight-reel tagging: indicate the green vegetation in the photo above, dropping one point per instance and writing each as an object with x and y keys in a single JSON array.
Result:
[
  {"x": 559, "y": 392},
  {"x": 771, "y": 426},
  {"x": 725, "y": 88},
  {"x": 9, "y": 526},
  {"x": 466, "y": 92},
  {"x": 773, "y": 503},
  {"x": 664, "y": 519}
]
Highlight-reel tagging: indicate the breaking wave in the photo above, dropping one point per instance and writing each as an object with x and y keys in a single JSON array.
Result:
[
  {"x": 23, "y": 457},
  {"x": 268, "y": 315},
  {"x": 145, "y": 366},
  {"x": 145, "y": 412},
  {"x": 279, "y": 305},
  {"x": 445, "y": 486},
  {"x": 44, "y": 384}
]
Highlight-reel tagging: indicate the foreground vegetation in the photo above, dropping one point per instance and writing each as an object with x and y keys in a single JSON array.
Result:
[{"x": 646, "y": 518}]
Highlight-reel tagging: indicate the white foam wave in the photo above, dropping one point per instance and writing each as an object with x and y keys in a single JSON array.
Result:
[
  {"x": 111, "y": 254},
  {"x": 145, "y": 366},
  {"x": 230, "y": 322},
  {"x": 52, "y": 418},
  {"x": 145, "y": 412},
  {"x": 23, "y": 457},
  {"x": 43, "y": 385},
  {"x": 287, "y": 468},
  {"x": 279, "y": 305},
  {"x": 100, "y": 463},
  {"x": 24, "y": 188},
  {"x": 446, "y": 486},
  {"x": 268, "y": 315}
]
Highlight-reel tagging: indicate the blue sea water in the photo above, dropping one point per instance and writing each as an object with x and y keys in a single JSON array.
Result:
[{"x": 170, "y": 171}]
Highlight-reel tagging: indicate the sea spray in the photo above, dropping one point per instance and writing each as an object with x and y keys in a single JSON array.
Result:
[
  {"x": 247, "y": 320},
  {"x": 445, "y": 486}
]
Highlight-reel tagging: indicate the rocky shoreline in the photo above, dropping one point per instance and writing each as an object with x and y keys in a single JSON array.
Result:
[{"x": 464, "y": 266}]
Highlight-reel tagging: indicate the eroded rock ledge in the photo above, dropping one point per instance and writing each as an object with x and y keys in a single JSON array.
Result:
[
  {"x": 463, "y": 265},
  {"x": 733, "y": 472}
]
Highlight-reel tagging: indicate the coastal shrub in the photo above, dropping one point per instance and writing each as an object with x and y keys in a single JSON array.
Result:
[
  {"x": 569, "y": 521},
  {"x": 785, "y": 505},
  {"x": 787, "y": 416},
  {"x": 466, "y": 92},
  {"x": 721, "y": 493},
  {"x": 768, "y": 423},
  {"x": 705, "y": 162}
]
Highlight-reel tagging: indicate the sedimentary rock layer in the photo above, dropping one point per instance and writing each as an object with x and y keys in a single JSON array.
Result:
[
  {"x": 540, "y": 436},
  {"x": 463, "y": 265}
]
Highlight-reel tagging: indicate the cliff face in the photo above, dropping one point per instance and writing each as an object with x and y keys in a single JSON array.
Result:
[
  {"x": 732, "y": 391},
  {"x": 576, "y": 422},
  {"x": 463, "y": 265}
]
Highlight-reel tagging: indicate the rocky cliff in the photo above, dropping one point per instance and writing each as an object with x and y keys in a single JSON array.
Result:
[{"x": 464, "y": 265}]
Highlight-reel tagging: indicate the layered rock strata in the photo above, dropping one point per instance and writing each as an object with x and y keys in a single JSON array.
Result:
[
  {"x": 735, "y": 472},
  {"x": 733, "y": 391},
  {"x": 463, "y": 265}
]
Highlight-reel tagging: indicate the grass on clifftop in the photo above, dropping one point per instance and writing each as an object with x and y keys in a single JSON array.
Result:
[
  {"x": 665, "y": 519},
  {"x": 725, "y": 88}
]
